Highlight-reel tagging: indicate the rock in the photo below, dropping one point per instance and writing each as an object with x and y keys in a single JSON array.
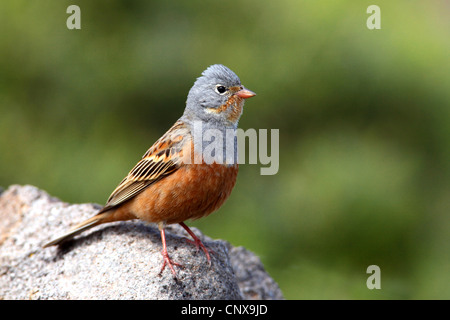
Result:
[{"x": 120, "y": 260}]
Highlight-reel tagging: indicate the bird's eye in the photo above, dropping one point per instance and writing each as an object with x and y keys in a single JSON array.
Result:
[{"x": 220, "y": 89}]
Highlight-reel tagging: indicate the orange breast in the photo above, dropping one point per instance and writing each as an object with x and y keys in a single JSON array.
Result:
[{"x": 191, "y": 192}]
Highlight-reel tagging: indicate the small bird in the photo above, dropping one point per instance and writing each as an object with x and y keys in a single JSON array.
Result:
[{"x": 176, "y": 180}]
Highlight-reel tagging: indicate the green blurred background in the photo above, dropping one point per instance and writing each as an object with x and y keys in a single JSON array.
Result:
[{"x": 364, "y": 120}]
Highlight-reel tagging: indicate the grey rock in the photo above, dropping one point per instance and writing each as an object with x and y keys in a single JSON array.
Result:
[{"x": 120, "y": 260}]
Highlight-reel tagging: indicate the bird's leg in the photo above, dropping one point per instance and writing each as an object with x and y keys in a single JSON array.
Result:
[
  {"x": 165, "y": 255},
  {"x": 198, "y": 243}
]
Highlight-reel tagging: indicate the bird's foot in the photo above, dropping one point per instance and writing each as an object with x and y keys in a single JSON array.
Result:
[
  {"x": 198, "y": 243},
  {"x": 170, "y": 263}
]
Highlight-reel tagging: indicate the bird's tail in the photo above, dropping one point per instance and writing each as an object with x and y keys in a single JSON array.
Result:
[{"x": 100, "y": 218}]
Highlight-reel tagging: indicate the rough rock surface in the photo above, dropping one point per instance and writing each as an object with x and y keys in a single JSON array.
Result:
[{"x": 120, "y": 260}]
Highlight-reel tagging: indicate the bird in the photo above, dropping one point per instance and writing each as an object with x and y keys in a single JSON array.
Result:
[{"x": 181, "y": 177}]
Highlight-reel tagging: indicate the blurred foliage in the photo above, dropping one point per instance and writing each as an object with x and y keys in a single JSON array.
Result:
[{"x": 364, "y": 119}]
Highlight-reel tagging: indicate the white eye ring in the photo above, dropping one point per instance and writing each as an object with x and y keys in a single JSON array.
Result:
[{"x": 221, "y": 89}]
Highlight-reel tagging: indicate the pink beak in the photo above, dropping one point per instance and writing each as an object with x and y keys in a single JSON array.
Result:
[{"x": 245, "y": 93}]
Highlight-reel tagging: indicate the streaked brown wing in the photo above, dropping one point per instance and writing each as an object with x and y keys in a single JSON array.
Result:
[{"x": 162, "y": 159}]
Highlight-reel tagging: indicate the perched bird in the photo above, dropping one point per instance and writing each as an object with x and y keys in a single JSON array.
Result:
[{"x": 181, "y": 177}]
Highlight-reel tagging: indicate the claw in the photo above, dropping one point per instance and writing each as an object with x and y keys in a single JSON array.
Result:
[
  {"x": 198, "y": 243},
  {"x": 170, "y": 263},
  {"x": 165, "y": 254}
]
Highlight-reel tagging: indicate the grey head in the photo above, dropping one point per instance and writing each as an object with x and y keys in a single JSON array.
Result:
[{"x": 216, "y": 98}]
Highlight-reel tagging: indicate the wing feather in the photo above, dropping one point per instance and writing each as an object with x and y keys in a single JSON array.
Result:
[{"x": 162, "y": 159}]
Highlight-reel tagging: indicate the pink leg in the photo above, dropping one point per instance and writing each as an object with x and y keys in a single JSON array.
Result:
[
  {"x": 198, "y": 243},
  {"x": 165, "y": 255}
]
